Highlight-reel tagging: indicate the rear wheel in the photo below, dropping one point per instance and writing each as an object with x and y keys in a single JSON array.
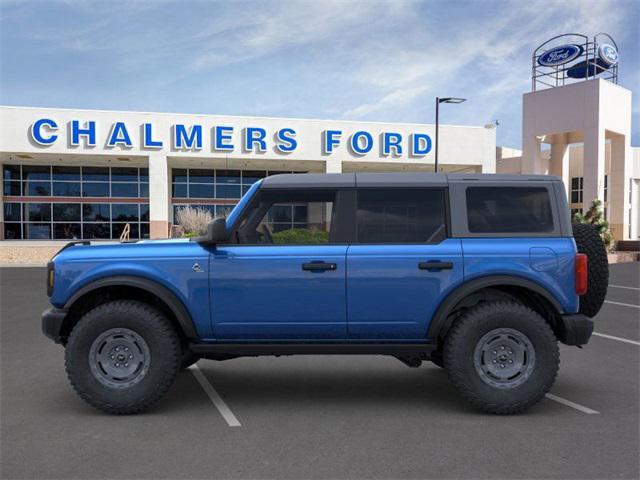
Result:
[
  {"x": 122, "y": 356},
  {"x": 502, "y": 356}
]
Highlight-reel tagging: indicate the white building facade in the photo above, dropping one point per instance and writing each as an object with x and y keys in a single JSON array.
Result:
[{"x": 86, "y": 174}]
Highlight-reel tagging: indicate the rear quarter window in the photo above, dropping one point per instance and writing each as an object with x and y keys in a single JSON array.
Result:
[{"x": 509, "y": 210}]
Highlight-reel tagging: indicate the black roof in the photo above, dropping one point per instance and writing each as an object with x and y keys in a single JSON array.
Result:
[{"x": 404, "y": 179}]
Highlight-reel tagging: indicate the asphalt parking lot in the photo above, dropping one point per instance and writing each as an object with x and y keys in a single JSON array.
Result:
[{"x": 320, "y": 417}]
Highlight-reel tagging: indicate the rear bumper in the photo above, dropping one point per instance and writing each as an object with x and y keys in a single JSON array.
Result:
[
  {"x": 575, "y": 329},
  {"x": 52, "y": 320}
]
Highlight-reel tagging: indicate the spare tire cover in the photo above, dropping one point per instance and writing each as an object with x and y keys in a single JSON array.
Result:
[{"x": 588, "y": 241}]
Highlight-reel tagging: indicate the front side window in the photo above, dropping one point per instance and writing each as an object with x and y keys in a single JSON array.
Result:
[
  {"x": 509, "y": 210},
  {"x": 290, "y": 218},
  {"x": 401, "y": 215}
]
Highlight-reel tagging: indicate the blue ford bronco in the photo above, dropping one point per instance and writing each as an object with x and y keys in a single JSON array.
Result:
[{"x": 482, "y": 275}]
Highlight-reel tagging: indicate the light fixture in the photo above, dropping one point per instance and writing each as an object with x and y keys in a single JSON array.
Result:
[{"x": 440, "y": 100}]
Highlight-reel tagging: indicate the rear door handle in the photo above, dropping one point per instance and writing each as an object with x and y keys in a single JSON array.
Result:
[
  {"x": 319, "y": 266},
  {"x": 435, "y": 265}
]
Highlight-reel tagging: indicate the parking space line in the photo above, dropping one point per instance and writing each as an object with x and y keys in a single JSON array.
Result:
[
  {"x": 622, "y": 304},
  {"x": 619, "y": 339},
  {"x": 571, "y": 404},
  {"x": 625, "y": 287},
  {"x": 222, "y": 407}
]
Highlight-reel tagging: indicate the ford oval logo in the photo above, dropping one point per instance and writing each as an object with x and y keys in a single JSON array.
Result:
[
  {"x": 560, "y": 55},
  {"x": 608, "y": 54}
]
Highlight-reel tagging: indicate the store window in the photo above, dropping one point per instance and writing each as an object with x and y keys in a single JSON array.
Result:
[
  {"x": 63, "y": 212},
  {"x": 576, "y": 189},
  {"x": 202, "y": 185}
]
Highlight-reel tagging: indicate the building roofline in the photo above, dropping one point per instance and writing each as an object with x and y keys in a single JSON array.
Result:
[{"x": 18, "y": 107}]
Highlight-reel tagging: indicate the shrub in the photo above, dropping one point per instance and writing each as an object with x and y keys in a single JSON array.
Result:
[
  {"x": 595, "y": 217},
  {"x": 301, "y": 235},
  {"x": 193, "y": 220}
]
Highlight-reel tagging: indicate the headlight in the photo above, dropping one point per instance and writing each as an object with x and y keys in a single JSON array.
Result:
[{"x": 50, "y": 278}]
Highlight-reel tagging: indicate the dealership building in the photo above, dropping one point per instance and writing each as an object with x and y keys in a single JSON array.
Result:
[
  {"x": 86, "y": 174},
  {"x": 90, "y": 174}
]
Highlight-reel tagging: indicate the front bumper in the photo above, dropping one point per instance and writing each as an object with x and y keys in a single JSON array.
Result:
[
  {"x": 575, "y": 329},
  {"x": 52, "y": 321}
]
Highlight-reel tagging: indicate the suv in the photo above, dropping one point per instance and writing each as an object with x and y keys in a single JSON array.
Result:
[{"x": 477, "y": 273}]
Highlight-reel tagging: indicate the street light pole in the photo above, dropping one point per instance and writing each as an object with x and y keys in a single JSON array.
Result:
[
  {"x": 438, "y": 102},
  {"x": 435, "y": 170}
]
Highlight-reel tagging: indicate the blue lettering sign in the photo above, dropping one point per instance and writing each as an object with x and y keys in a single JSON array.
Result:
[
  {"x": 420, "y": 144},
  {"x": 608, "y": 54},
  {"x": 330, "y": 139},
  {"x": 37, "y": 134},
  {"x": 391, "y": 140},
  {"x": 222, "y": 137},
  {"x": 358, "y": 147},
  {"x": 119, "y": 136},
  {"x": 286, "y": 140},
  {"x": 89, "y": 131},
  {"x": 186, "y": 139},
  {"x": 560, "y": 55},
  {"x": 147, "y": 138},
  {"x": 255, "y": 136}
]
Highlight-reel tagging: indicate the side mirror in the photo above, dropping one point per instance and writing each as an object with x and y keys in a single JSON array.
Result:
[{"x": 216, "y": 232}]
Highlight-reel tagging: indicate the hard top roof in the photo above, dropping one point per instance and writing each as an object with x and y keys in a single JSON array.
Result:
[{"x": 403, "y": 179}]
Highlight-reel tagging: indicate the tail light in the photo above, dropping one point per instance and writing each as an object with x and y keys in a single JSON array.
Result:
[{"x": 581, "y": 273}]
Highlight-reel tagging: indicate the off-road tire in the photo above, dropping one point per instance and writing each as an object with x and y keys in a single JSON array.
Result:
[
  {"x": 469, "y": 330},
  {"x": 588, "y": 241},
  {"x": 163, "y": 346}
]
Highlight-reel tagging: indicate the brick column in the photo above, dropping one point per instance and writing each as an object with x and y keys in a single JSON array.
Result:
[
  {"x": 559, "y": 163},
  {"x": 333, "y": 166},
  {"x": 593, "y": 166},
  {"x": 619, "y": 186},
  {"x": 159, "y": 195}
]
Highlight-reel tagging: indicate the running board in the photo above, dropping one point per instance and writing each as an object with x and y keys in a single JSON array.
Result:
[{"x": 422, "y": 350}]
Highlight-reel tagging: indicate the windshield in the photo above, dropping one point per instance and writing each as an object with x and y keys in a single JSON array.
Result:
[{"x": 235, "y": 213}]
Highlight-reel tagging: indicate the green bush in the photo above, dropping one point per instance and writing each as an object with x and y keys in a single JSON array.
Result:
[
  {"x": 300, "y": 235},
  {"x": 595, "y": 217}
]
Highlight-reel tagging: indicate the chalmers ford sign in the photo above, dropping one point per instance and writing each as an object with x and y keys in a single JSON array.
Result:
[{"x": 45, "y": 132}]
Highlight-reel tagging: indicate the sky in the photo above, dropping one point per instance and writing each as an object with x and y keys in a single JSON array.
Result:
[{"x": 351, "y": 60}]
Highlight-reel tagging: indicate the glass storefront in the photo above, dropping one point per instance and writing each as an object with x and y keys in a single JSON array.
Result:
[
  {"x": 201, "y": 187},
  {"x": 77, "y": 202}
]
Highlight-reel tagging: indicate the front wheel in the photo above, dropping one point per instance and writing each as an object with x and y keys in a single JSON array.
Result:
[
  {"x": 122, "y": 356},
  {"x": 502, "y": 356}
]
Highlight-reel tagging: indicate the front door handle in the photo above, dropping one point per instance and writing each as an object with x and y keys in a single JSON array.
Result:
[
  {"x": 319, "y": 266},
  {"x": 435, "y": 265}
]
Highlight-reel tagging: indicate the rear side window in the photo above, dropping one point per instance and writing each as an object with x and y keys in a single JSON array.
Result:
[
  {"x": 509, "y": 210},
  {"x": 401, "y": 216}
]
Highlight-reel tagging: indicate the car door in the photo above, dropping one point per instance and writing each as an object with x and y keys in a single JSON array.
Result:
[
  {"x": 286, "y": 276},
  {"x": 401, "y": 263}
]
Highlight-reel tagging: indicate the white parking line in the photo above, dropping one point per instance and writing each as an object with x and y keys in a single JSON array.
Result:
[
  {"x": 619, "y": 339},
  {"x": 571, "y": 404},
  {"x": 222, "y": 407},
  {"x": 622, "y": 286},
  {"x": 622, "y": 304}
]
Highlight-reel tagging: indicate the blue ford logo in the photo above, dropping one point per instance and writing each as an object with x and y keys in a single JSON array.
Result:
[
  {"x": 608, "y": 54},
  {"x": 560, "y": 55}
]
